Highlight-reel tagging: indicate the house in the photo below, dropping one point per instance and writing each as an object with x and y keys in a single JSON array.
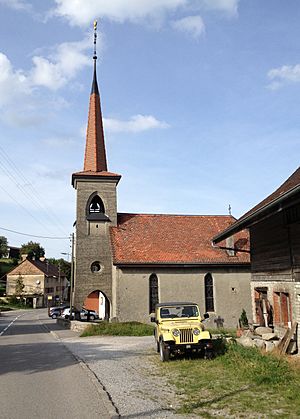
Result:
[
  {"x": 126, "y": 263},
  {"x": 274, "y": 226},
  {"x": 41, "y": 283}
]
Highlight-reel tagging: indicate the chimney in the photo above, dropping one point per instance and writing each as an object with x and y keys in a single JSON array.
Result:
[{"x": 24, "y": 257}]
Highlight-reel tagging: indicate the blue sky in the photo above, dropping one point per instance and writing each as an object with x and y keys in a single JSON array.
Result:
[{"x": 200, "y": 100}]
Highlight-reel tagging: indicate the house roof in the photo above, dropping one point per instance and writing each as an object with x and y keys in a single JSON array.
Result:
[
  {"x": 31, "y": 267},
  {"x": 173, "y": 239},
  {"x": 288, "y": 189}
]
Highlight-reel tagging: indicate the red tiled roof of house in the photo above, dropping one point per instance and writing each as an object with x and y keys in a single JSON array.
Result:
[{"x": 173, "y": 239}]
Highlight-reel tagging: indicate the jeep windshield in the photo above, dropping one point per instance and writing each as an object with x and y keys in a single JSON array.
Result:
[{"x": 171, "y": 312}]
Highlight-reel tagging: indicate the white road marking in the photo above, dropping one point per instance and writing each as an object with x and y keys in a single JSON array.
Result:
[{"x": 4, "y": 330}]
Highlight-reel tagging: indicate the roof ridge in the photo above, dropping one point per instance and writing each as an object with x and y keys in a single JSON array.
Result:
[{"x": 175, "y": 215}]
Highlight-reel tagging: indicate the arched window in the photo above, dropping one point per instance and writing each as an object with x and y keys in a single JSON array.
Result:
[
  {"x": 209, "y": 292},
  {"x": 153, "y": 292},
  {"x": 96, "y": 205},
  {"x": 95, "y": 210}
]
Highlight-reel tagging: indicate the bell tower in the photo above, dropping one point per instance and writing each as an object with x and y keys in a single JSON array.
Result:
[{"x": 96, "y": 212}]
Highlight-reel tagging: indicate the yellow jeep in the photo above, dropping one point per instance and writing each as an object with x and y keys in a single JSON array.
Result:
[{"x": 179, "y": 330}]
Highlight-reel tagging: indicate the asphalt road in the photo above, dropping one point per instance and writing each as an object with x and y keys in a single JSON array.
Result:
[{"x": 39, "y": 376}]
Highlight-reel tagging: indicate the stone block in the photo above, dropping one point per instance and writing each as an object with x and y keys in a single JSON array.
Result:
[
  {"x": 262, "y": 330},
  {"x": 269, "y": 336},
  {"x": 246, "y": 342},
  {"x": 259, "y": 343},
  {"x": 269, "y": 346}
]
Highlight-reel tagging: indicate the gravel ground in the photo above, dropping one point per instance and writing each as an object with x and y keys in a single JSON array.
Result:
[{"x": 127, "y": 367}]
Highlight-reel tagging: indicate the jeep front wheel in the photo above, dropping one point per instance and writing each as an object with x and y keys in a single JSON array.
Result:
[{"x": 164, "y": 351}]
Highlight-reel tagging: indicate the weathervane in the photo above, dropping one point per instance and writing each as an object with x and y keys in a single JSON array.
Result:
[{"x": 95, "y": 39}]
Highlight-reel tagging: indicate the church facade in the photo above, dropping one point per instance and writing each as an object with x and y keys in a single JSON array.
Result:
[{"x": 126, "y": 263}]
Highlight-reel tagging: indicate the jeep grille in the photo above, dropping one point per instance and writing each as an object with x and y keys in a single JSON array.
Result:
[{"x": 186, "y": 335}]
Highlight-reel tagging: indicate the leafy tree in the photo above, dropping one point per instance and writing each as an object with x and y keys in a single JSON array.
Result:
[
  {"x": 65, "y": 267},
  {"x": 33, "y": 250},
  {"x": 19, "y": 286},
  {"x": 3, "y": 247}
]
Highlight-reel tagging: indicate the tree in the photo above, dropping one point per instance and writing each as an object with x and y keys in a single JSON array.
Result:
[
  {"x": 3, "y": 247},
  {"x": 65, "y": 267},
  {"x": 32, "y": 250}
]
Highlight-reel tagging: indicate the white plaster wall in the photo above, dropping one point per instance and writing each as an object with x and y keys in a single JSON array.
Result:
[{"x": 231, "y": 292}]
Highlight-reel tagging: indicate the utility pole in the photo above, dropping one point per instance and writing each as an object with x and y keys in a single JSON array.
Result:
[{"x": 72, "y": 275}]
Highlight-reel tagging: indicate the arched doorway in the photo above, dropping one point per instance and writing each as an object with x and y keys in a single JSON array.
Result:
[{"x": 98, "y": 301}]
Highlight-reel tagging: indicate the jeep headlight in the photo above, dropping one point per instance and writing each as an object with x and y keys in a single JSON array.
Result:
[
  {"x": 196, "y": 332},
  {"x": 175, "y": 332}
]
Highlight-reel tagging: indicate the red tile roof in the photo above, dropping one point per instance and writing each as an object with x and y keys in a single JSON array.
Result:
[
  {"x": 102, "y": 173},
  {"x": 89, "y": 174},
  {"x": 95, "y": 155},
  {"x": 173, "y": 239}
]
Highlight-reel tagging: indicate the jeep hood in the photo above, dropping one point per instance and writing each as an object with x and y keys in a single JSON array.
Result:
[{"x": 180, "y": 323}]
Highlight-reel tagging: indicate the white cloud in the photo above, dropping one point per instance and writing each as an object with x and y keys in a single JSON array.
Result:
[
  {"x": 16, "y": 4},
  {"x": 55, "y": 71},
  {"x": 19, "y": 96},
  {"x": 13, "y": 83},
  {"x": 192, "y": 25},
  {"x": 136, "y": 123},
  {"x": 283, "y": 75},
  {"x": 83, "y": 12},
  {"x": 227, "y": 6}
]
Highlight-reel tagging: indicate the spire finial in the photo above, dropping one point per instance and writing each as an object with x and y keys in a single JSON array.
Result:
[
  {"x": 229, "y": 209},
  {"x": 95, "y": 40},
  {"x": 95, "y": 84}
]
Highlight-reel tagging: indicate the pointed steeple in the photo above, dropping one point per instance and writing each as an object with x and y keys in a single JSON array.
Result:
[{"x": 95, "y": 155}]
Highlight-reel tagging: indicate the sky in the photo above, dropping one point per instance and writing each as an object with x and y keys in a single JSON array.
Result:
[{"x": 200, "y": 100}]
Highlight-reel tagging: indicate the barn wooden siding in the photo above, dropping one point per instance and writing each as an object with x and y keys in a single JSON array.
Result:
[{"x": 275, "y": 248}]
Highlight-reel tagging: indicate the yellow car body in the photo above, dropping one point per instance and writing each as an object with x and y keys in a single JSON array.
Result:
[{"x": 179, "y": 329}]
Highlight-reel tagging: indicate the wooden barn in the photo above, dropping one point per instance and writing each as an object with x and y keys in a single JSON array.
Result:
[{"x": 274, "y": 226}]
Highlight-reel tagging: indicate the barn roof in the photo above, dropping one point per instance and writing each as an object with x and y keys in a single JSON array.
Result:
[
  {"x": 173, "y": 239},
  {"x": 287, "y": 190}
]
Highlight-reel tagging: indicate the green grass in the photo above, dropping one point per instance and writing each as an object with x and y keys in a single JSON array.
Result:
[
  {"x": 241, "y": 383},
  {"x": 119, "y": 329}
]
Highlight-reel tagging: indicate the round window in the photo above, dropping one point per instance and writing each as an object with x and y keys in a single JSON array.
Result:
[{"x": 96, "y": 267}]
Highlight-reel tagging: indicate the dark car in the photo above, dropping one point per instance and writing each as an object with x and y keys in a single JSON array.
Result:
[
  {"x": 88, "y": 314},
  {"x": 55, "y": 312}
]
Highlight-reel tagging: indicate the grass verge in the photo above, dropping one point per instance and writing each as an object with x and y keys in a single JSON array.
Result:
[
  {"x": 241, "y": 383},
  {"x": 118, "y": 329}
]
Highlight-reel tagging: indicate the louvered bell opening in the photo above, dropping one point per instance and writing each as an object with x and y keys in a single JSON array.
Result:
[{"x": 186, "y": 336}]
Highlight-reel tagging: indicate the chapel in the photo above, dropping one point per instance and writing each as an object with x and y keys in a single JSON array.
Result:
[{"x": 127, "y": 263}]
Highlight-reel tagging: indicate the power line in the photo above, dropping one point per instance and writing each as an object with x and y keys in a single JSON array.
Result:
[
  {"x": 32, "y": 194},
  {"x": 32, "y": 235}
]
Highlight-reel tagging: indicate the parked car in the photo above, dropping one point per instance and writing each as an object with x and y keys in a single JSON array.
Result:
[
  {"x": 86, "y": 314},
  {"x": 83, "y": 314},
  {"x": 55, "y": 312},
  {"x": 179, "y": 330},
  {"x": 66, "y": 313}
]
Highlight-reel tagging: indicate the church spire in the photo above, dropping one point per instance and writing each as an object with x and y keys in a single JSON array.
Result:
[{"x": 95, "y": 155}]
